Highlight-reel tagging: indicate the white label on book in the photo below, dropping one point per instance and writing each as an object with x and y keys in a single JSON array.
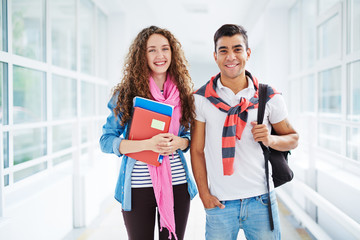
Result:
[{"x": 160, "y": 125}]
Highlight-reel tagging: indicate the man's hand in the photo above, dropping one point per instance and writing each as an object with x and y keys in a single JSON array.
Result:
[
  {"x": 261, "y": 133},
  {"x": 210, "y": 201}
]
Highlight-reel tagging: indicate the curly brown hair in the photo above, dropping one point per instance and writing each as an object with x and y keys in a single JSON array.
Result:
[{"x": 135, "y": 81}]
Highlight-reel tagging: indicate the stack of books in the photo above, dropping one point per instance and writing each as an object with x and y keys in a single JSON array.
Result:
[{"x": 149, "y": 119}]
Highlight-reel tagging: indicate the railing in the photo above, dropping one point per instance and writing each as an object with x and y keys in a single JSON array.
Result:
[{"x": 342, "y": 219}]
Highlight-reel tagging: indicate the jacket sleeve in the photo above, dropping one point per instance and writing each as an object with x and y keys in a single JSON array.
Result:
[
  {"x": 112, "y": 130},
  {"x": 185, "y": 134}
]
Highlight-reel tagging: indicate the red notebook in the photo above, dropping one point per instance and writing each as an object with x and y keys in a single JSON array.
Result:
[{"x": 144, "y": 125}]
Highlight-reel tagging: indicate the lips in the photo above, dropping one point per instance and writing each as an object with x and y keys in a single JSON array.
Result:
[
  {"x": 159, "y": 64},
  {"x": 231, "y": 65}
]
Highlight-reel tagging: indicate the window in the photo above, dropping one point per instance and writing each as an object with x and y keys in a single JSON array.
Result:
[
  {"x": 353, "y": 143},
  {"x": 28, "y": 22},
  {"x": 354, "y": 90},
  {"x": 64, "y": 97},
  {"x": 102, "y": 44},
  {"x": 1, "y": 92},
  {"x": 328, "y": 67},
  {"x": 308, "y": 87},
  {"x": 309, "y": 36},
  {"x": 3, "y": 26},
  {"x": 29, "y": 95},
  {"x": 63, "y": 137},
  {"x": 55, "y": 88},
  {"x": 330, "y": 91},
  {"x": 86, "y": 32},
  {"x": 63, "y": 35},
  {"x": 328, "y": 42},
  {"x": 6, "y": 155},
  {"x": 104, "y": 97},
  {"x": 30, "y": 144},
  {"x": 353, "y": 14},
  {"x": 295, "y": 37},
  {"x": 329, "y": 137},
  {"x": 87, "y": 99},
  {"x": 326, "y": 5}
]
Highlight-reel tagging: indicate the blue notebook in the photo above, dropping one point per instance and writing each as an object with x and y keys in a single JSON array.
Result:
[{"x": 154, "y": 106}]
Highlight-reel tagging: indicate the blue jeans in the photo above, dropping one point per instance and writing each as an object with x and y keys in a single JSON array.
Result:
[{"x": 249, "y": 214}]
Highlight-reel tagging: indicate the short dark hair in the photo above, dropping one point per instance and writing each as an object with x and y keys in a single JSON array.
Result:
[{"x": 230, "y": 30}]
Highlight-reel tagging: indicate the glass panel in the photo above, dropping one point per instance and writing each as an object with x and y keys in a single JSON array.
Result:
[
  {"x": 1, "y": 92},
  {"x": 326, "y": 5},
  {"x": 29, "y": 144},
  {"x": 6, "y": 149},
  {"x": 104, "y": 97},
  {"x": 84, "y": 150},
  {"x": 86, "y": 32},
  {"x": 29, "y": 95},
  {"x": 101, "y": 44},
  {"x": 354, "y": 91},
  {"x": 6, "y": 180},
  {"x": 295, "y": 52},
  {"x": 19, "y": 175},
  {"x": 28, "y": 24},
  {"x": 354, "y": 26},
  {"x": 309, "y": 33},
  {"x": 330, "y": 137},
  {"x": 62, "y": 137},
  {"x": 63, "y": 35},
  {"x": 329, "y": 43},
  {"x": 308, "y": 87},
  {"x": 353, "y": 143},
  {"x": 295, "y": 97},
  {"x": 62, "y": 159},
  {"x": 86, "y": 131},
  {"x": 64, "y": 97},
  {"x": 4, "y": 100},
  {"x": 330, "y": 91},
  {"x": 3, "y": 26},
  {"x": 87, "y": 99}
]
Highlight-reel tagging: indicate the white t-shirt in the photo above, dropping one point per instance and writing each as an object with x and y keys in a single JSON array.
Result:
[{"x": 248, "y": 179}]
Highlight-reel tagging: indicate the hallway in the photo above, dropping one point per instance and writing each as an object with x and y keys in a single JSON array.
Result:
[{"x": 109, "y": 225}]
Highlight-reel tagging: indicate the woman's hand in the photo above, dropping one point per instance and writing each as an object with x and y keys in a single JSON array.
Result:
[{"x": 167, "y": 143}]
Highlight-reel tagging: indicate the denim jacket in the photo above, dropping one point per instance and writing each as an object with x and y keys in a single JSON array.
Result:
[{"x": 113, "y": 134}]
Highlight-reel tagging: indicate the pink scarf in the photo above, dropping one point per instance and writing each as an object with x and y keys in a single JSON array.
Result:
[{"x": 161, "y": 176}]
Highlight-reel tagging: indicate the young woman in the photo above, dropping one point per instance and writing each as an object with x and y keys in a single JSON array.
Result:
[{"x": 155, "y": 68}]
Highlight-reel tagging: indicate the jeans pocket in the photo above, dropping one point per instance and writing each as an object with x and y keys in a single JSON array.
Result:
[{"x": 264, "y": 199}]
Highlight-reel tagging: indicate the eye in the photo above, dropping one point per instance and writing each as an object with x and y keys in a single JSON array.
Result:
[
  {"x": 166, "y": 49},
  {"x": 152, "y": 50}
]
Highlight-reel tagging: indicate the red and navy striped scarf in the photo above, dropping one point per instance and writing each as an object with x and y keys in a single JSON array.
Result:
[{"x": 236, "y": 118}]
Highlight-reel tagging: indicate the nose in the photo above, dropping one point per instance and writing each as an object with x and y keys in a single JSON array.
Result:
[
  {"x": 159, "y": 54},
  {"x": 230, "y": 56}
]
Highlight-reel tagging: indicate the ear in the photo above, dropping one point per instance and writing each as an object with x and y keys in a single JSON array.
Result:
[
  {"x": 248, "y": 53},
  {"x": 215, "y": 56}
]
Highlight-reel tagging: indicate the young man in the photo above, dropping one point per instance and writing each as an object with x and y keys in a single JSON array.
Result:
[{"x": 227, "y": 160}]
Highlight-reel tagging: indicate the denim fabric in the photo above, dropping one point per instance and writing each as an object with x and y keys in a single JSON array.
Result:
[
  {"x": 250, "y": 214},
  {"x": 113, "y": 134}
]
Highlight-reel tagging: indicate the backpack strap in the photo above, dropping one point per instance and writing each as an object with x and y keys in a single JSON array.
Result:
[{"x": 266, "y": 151}]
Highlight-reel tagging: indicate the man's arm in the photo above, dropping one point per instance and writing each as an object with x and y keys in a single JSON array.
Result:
[
  {"x": 286, "y": 139},
  {"x": 199, "y": 166}
]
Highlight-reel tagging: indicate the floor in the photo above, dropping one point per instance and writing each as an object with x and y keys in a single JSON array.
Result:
[{"x": 109, "y": 225}]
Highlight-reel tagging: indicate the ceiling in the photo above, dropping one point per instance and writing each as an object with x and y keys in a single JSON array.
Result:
[{"x": 193, "y": 22}]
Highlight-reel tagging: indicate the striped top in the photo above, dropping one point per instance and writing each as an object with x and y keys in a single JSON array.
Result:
[{"x": 140, "y": 176}]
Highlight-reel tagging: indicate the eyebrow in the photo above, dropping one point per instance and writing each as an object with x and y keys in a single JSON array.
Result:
[
  {"x": 235, "y": 46},
  {"x": 165, "y": 45}
]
